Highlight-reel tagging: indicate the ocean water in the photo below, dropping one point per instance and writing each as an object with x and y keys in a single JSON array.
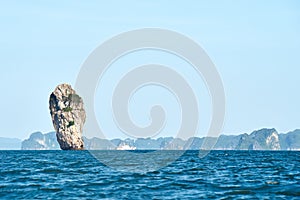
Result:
[{"x": 219, "y": 175}]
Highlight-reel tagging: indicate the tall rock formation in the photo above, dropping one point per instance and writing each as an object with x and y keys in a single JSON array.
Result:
[{"x": 68, "y": 117}]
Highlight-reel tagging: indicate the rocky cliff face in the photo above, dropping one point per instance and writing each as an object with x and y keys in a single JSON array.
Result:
[
  {"x": 291, "y": 140},
  {"x": 40, "y": 141},
  {"x": 264, "y": 139},
  {"x": 68, "y": 117}
]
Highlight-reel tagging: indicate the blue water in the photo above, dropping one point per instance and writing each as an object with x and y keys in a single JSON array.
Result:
[{"x": 220, "y": 175}]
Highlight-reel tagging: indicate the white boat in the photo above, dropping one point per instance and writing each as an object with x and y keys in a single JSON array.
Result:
[{"x": 125, "y": 147}]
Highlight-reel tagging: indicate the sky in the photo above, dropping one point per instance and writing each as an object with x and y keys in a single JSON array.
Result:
[{"x": 255, "y": 46}]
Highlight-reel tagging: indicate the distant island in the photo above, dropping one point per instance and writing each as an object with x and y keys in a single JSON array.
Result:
[
  {"x": 10, "y": 143},
  {"x": 264, "y": 139}
]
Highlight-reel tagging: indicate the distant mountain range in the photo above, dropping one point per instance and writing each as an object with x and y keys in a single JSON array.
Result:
[
  {"x": 264, "y": 139},
  {"x": 40, "y": 141},
  {"x": 10, "y": 143}
]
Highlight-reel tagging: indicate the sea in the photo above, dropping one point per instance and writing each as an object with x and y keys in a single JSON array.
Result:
[{"x": 217, "y": 175}]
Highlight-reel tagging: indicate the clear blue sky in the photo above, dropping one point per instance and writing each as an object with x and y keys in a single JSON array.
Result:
[{"x": 255, "y": 45}]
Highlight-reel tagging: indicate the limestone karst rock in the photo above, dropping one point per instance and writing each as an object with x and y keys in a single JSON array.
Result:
[{"x": 68, "y": 117}]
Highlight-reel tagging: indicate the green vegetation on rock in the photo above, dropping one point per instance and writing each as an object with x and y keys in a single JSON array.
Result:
[
  {"x": 71, "y": 123},
  {"x": 68, "y": 109}
]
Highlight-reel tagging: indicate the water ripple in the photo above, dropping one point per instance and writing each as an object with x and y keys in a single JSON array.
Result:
[{"x": 220, "y": 175}]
